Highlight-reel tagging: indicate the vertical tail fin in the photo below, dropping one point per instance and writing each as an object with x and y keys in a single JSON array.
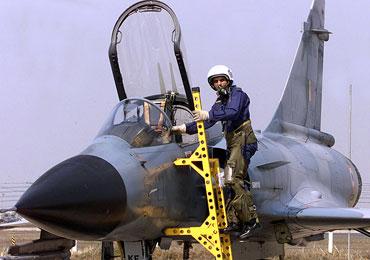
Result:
[{"x": 301, "y": 101}]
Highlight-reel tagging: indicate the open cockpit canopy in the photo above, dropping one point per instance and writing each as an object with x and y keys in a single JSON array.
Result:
[{"x": 146, "y": 52}]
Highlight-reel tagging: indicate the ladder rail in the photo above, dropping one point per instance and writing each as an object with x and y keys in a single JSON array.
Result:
[{"x": 208, "y": 234}]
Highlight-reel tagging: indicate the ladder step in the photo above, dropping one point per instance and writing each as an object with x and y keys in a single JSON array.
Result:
[{"x": 208, "y": 234}]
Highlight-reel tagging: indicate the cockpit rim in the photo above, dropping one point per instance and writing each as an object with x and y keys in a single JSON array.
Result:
[{"x": 144, "y": 100}]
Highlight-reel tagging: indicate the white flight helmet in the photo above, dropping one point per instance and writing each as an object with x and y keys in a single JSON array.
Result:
[{"x": 219, "y": 70}]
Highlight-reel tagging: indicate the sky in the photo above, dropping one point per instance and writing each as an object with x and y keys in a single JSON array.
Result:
[{"x": 56, "y": 85}]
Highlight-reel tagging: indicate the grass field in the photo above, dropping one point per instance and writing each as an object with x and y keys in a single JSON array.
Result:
[{"x": 315, "y": 250}]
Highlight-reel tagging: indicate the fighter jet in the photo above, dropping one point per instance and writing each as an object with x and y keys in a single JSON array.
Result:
[{"x": 125, "y": 187}]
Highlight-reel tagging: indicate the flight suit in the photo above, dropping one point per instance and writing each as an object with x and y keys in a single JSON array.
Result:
[
  {"x": 233, "y": 111},
  {"x": 242, "y": 144}
]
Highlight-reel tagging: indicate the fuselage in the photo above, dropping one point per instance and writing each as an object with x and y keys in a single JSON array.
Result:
[
  {"x": 287, "y": 174},
  {"x": 290, "y": 173}
]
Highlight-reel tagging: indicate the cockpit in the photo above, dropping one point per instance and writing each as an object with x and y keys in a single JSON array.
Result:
[
  {"x": 139, "y": 122},
  {"x": 148, "y": 59}
]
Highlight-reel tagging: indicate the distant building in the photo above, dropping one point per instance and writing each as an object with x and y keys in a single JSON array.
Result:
[{"x": 10, "y": 216}]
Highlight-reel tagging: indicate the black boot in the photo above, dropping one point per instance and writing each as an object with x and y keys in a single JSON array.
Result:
[
  {"x": 231, "y": 228},
  {"x": 249, "y": 228}
]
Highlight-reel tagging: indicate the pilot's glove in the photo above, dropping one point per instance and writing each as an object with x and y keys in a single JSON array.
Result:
[
  {"x": 200, "y": 115},
  {"x": 179, "y": 129}
]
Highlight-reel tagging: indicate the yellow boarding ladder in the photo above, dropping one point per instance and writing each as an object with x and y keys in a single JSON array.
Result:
[{"x": 208, "y": 234}]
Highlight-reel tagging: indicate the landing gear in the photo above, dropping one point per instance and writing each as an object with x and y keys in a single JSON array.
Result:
[
  {"x": 185, "y": 252},
  {"x": 136, "y": 250},
  {"x": 107, "y": 250}
]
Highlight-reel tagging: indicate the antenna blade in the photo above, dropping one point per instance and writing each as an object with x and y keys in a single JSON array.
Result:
[
  {"x": 173, "y": 81},
  {"x": 161, "y": 80}
]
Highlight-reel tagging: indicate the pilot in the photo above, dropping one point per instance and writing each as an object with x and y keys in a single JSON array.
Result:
[{"x": 232, "y": 109}]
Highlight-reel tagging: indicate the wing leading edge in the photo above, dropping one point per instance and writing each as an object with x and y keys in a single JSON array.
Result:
[{"x": 333, "y": 218}]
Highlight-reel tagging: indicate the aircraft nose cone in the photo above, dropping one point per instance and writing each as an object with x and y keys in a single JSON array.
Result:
[{"x": 84, "y": 197}]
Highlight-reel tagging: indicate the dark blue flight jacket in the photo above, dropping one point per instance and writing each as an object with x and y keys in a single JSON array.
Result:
[{"x": 233, "y": 112}]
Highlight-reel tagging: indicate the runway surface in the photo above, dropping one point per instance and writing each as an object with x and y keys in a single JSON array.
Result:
[{"x": 314, "y": 250}]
